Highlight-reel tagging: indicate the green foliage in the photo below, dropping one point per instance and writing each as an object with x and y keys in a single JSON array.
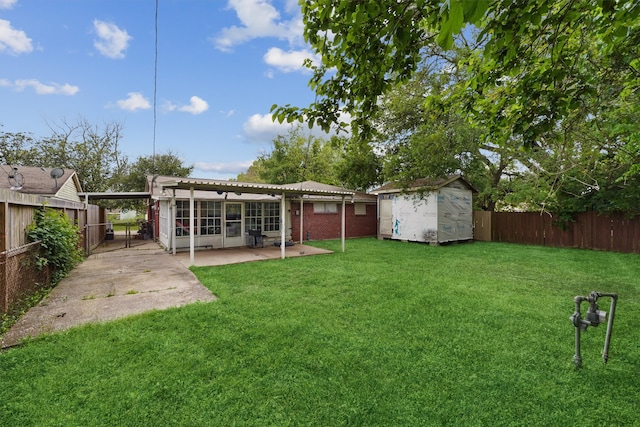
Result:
[
  {"x": 167, "y": 164},
  {"x": 359, "y": 167},
  {"x": 17, "y": 148},
  {"x": 252, "y": 174},
  {"x": 297, "y": 157},
  {"x": 478, "y": 335},
  {"x": 534, "y": 106},
  {"x": 18, "y": 309},
  {"x": 133, "y": 177},
  {"x": 90, "y": 150},
  {"x": 537, "y": 63},
  {"x": 59, "y": 239}
]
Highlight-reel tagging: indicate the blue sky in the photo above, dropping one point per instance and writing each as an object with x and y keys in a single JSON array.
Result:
[{"x": 221, "y": 65}]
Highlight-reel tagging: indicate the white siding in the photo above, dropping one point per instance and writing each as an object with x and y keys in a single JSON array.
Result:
[
  {"x": 415, "y": 219},
  {"x": 455, "y": 215},
  {"x": 68, "y": 191}
]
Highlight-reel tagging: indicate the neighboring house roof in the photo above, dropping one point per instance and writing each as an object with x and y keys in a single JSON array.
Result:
[
  {"x": 423, "y": 184},
  {"x": 58, "y": 183}
]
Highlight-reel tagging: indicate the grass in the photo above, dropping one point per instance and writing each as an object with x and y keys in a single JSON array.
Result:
[{"x": 386, "y": 334}]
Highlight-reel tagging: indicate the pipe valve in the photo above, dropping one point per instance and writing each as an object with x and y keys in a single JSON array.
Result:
[{"x": 593, "y": 317}]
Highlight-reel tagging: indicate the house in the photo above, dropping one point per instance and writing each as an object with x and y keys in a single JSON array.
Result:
[
  {"x": 54, "y": 183},
  {"x": 432, "y": 211},
  {"x": 23, "y": 189},
  {"x": 222, "y": 218},
  {"x": 317, "y": 217},
  {"x": 228, "y": 214}
]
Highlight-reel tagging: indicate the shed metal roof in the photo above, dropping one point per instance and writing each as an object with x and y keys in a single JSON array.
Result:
[{"x": 422, "y": 184}]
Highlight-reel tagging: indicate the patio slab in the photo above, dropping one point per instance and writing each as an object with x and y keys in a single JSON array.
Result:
[
  {"x": 213, "y": 257},
  {"x": 113, "y": 283}
]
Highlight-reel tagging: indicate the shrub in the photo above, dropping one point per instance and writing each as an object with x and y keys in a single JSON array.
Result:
[{"x": 59, "y": 241}]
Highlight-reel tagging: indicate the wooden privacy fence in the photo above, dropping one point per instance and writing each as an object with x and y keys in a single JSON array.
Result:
[
  {"x": 613, "y": 232},
  {"x": 19, "y": 276}
]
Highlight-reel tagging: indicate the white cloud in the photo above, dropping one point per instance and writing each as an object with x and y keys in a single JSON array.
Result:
[
  {"x": 233, "y": 168},
  {"x": 135, "y": 101},
  {"x": 112, "y": 40},
  {"x": 196, "y": 105},
  {"x": 12, "y": 40},
  {"x": 289, "y": 61},
  {"x": 259, "y": 18},
  {"x": 227, "y": 113},
  {"x": 7, "y": 4},
  {"x": 41, "y": 88},
  {"x": 262, "y": 129}
]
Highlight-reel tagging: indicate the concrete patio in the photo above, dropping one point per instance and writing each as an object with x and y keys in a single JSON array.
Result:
[
  {"x": 213, "y": 257},
  {"x": 124, "y": 277}
]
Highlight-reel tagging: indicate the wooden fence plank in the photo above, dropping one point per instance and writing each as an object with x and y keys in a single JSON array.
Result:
[{"x": 615, "y": 232}]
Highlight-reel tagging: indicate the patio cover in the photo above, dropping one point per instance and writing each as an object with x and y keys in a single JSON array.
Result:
[{"x": 293, "y": 190}]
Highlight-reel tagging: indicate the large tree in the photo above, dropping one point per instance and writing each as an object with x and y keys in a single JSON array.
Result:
[
  {"x": 17, "y": 149},
  {"x": 547, "y": 56},
  {"x": 90, "y": 150},
  {"x": 134, "y": 176},
  {"x": 297, "y": 157}
]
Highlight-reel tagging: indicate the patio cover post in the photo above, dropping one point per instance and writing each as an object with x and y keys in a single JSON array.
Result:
[
  {"x": 174, "y": 211},
  {"x": 86, "y": 225},
  {"x": 342, "y": 231},
  {"x": 192, "y": 228},
  {"x": 282, "y": 226},
  {"x": 301, "y": 216}
]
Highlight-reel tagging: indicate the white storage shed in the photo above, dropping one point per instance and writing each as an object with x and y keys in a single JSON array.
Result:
[{"x": 430, "y": 211}]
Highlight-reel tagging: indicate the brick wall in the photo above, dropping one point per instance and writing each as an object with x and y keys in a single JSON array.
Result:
[{"x": 322, "y": 226}]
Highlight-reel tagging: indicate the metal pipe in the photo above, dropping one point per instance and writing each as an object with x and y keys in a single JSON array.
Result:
[
  {"x": 607, "y": 339},
  {"x": 578, "y": 323},
  {"x": 577, "y": 358}
]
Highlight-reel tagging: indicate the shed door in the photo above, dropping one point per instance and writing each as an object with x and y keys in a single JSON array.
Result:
[{"x": 386, "y": 217}]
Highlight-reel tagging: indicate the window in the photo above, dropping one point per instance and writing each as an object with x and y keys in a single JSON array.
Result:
[
  {"x": 360, "y": 209},
  {"x": 252, "y": 216},
  {"x": 210, "y": 218},
  {"x": 271, "y": 216},
  {"x": 321, "y": 207},
  {"x": 183, "y": 227}
]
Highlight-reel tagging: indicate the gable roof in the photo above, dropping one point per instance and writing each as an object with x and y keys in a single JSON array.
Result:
[
  {"x": 423, "y": 184},
  {"x": 36, "y": 180}
]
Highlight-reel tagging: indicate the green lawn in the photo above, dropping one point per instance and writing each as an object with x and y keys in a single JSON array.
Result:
[{"x": 386, "y": 334}]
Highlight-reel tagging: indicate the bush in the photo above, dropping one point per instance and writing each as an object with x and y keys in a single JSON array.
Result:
[{"x": 59, "y": 239}]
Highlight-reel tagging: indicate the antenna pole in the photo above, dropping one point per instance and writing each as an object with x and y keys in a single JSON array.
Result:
[{"x": 155, "y": 86}]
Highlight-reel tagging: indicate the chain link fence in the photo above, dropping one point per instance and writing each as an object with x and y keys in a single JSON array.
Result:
[{"x": 20, "y": 276}]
